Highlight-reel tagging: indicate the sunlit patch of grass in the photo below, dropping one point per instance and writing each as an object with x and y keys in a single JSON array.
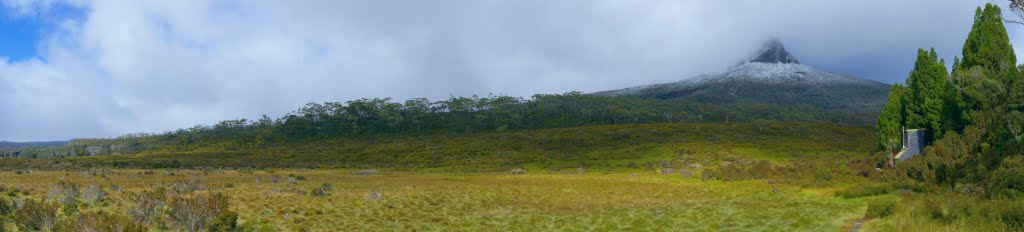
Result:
[{"x": 943, "y": 211}]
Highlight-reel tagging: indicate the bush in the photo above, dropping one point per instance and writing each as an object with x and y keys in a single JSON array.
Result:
[
  {"x": 880, "y": 209},
  {"x": 375, "y": 195},
  {"x": 5, "y": 208},
  {"x": 35, "y": 215},
  {"x": 322, "y": 191},
  {"x": 707, "y": 174},
  {"x": 189, "y": 186},
  {"x": 65, "y": 193},
  {"x": 1013, "y": 217},
  {"x": 201, "y": 212},
  {"x": 874, "y": 190},
  {"x": 1008, "y": 179},
  {"x": 686, "y": 173},
  {"x": 951, "y": 208},
  {"x": 147, "y": 206},
  {"x": 93, "y": 193},
  {"x": 100, "y": 221},
  {"x": 225, "y": 221}
]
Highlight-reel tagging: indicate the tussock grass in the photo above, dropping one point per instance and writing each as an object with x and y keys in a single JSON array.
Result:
[
  {"x": 943, "y": 211},
  {"x": 470, "y": 202},
  {"x": 879, "y": 189}
]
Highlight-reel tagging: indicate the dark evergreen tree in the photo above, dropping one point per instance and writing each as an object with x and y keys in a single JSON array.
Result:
[
  {"x": 926, "y": 96},
  {"x": 890, "y": 122},
  {"x": 988, "y": 46}
]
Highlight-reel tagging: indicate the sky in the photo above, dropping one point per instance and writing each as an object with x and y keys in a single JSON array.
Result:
[{"x": 102, "y": 68}]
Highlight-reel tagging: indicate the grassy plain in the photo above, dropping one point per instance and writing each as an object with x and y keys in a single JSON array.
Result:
[
  {"x": 665, "y": 177},
  {"x": 479, "y": 202}
]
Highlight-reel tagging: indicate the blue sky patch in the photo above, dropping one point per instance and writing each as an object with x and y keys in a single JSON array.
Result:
[{"x": 21, "y": 34}]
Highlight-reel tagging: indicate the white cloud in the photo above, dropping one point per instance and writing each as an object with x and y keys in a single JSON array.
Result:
[{"x": 149, "y": 66}]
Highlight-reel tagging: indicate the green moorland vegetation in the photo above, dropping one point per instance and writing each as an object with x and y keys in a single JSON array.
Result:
[
  {"x": 333, "y": 200},
  {"x": 711, "y": 176},
  {"x": 606, "y": 147}
]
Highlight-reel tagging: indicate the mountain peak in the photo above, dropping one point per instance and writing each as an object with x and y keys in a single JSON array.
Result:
[{"x": 774, "y": 52}]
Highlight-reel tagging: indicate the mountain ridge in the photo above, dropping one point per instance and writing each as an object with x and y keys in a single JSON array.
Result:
[
  {"x": 8, "y": 144},
  {"x": 774, "y": 76}
]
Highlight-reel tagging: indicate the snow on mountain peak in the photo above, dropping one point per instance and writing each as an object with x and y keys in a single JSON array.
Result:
[
  {"x": 775, "y": 72},
  {"x": 772, "y": 65}
]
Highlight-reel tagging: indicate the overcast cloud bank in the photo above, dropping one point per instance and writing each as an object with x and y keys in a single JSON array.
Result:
[{"x": 148, "y": 66}]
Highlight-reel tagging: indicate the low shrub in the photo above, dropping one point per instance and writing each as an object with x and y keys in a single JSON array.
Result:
[
  {"x": 93, "y": 193},
  {"x": 198, "y": 212},
  {"x": 189, "y": 186},
  {"x": 147, "y": 206},
  {"x": 297, "y": 177},
  {"x": 100, "y": 221},
  {"x": 5, "y": 207},
  {"x": 880, "y": 209},
  {"x": 707, "y": 174},
  {"x": 375, "y": 195},
  {"x": 1008, "y": 179},
  {"x": 1013, "y": 217},
  {"x": 949, "y": 209},
  {"x": 34, "y": 215},
  {"x": 322, "y": 190},
  {"x": 65, "y": 193},
  {"x": 874, "y": 190},
  {"x": 224, "y": 221}
]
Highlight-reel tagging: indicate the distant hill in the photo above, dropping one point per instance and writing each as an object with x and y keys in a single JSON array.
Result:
[
  {"x": 772, "y": 76},
  {"x": 5, "y": 144}
]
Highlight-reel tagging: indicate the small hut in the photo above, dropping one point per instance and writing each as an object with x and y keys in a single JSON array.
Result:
[{"x": 913, "y": 143}]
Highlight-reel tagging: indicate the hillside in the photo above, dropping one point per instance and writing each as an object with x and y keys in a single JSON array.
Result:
[
  {"x": 772, "y": 76},
  {"x": 608, "y": 147},
  {"x": 6, "y": 144}
]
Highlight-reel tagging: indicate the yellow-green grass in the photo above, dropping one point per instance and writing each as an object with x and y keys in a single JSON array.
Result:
[
  {"x": 944, "y": 211},
  {"x": 485, "y": 202}
]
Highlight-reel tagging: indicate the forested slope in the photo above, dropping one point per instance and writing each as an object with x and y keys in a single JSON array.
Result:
[{"x": 628, "y": 146}]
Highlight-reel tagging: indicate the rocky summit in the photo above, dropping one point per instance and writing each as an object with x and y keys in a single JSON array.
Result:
[{"x": 774, "y": 52}]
